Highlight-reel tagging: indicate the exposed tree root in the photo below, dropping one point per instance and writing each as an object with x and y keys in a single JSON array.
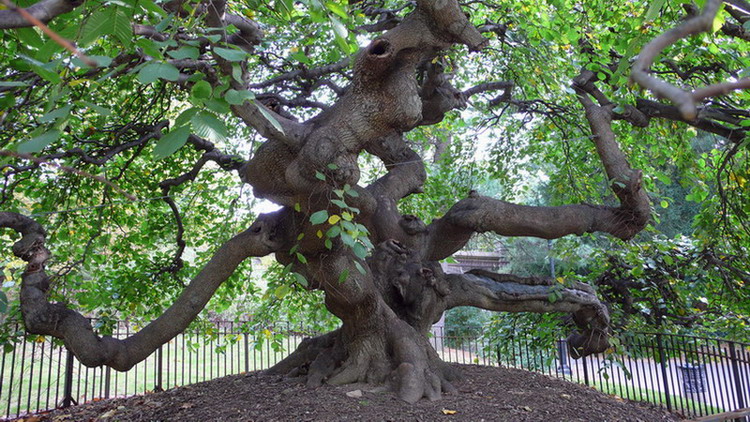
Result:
[{"x": 398, "y": 357}]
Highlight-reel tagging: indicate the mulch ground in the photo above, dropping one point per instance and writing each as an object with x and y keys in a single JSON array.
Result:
[{"x": 484, "y": 394}]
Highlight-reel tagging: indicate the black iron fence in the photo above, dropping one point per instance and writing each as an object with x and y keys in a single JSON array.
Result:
[{"x": 692, "y": 375}]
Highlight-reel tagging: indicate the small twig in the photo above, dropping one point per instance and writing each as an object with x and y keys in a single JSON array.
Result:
[
  {"x": 37, "y": 160},
  {"x": 52, "y": 34},
  {"x": 685, "y": 101}
]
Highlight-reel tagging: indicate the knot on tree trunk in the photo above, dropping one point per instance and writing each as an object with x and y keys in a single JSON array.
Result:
[{"x": 414, "y": 289}]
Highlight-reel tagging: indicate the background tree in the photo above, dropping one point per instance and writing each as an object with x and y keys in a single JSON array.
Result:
[{"x": 161, "y": 80}]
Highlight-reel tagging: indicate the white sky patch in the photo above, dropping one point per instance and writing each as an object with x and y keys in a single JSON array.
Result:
[{"x": 264, "y": 206}]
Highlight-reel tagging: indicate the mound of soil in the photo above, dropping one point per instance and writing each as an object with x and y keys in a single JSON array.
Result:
[{"x": 484, "y": 394}]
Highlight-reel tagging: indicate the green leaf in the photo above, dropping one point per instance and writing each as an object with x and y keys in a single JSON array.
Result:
[
  {"x": 320, "y": 176},
  {"x": 3, "y": 302},
  {"x": 333, "y": 231},
  {"x": 171, "y": 142},
  {"x": 235, "y": 97},
  {"x": 56, "y": 114},
  {"x": 281, "y": 291},
  {"x": 38, "y": 143},
  {"x": 122, "y": 27},
  {"x": 185, "y": 116},
  {"x": 101, "y": 61},
  {"x": 150, "y": 6},
  {"x": 202, "y": 90},
  {"x": 301, "y": 279},
  {"x": 7, "y": 101},
  {"x": 98, "y": 109},
  {"x": 47, "y": 74},
  {"x": 153, "y": 71},
  {"x": 12, "y": 84},
  {"x": 343, "y": 276},
  {"x": 30, "y": 37},
  {"x": 360, "y": 268},
  {"x": 275, "y": 123},
  {"x": 96, "y": 26},
  {"x": 653, "y": 10},
  {"x": 664, "y": 204},
  {"x": 229, "y": 54},
  {"x": 360, "y": 250},
  {"x": 719, "y": 19},
  {"x": 301, "y": 258},
  {"x": 150, "y": 48},
  {"x": 184, "y": 52},
  {"x": 218, "y": 106},
  {"x": 207, "y": 125},
  {"x": 339, "y": 28},
  {"x": 319, "y": 217},
  {"x": 337, "y": 9}
]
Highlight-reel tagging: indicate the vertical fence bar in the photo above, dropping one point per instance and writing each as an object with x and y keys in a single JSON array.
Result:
[
  {"x": 49, "y": 374},
  {"x": 159, "y": 367},
  {"x": 20, "y": 378},
  {"x": 10, "y": 383},
  {"x": 247, "y": 352},
  {"x": 585, "y": 370},
  {"x": 68, "y": 386},
  {"x": 737, "y": 381},
  {"x": 663, "y": 364}
]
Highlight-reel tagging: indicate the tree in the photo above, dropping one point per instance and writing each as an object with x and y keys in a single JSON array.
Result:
[{"x": 377, "y": 267}]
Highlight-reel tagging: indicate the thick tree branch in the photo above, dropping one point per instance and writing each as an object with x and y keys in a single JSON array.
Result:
[
  {"x": 704, "y": 121},
  {"x": 510, "y": 293},
  {"x": 42, "y": 317},
  {"x": 45, "y": 11},
  {"x": 479, "y": 214}
]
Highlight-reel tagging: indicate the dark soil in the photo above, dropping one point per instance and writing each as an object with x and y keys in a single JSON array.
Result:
[{"x": 484, "y": 394}]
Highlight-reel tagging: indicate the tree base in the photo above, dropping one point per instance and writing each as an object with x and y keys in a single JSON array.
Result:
[{"x": 399, "y": 358}]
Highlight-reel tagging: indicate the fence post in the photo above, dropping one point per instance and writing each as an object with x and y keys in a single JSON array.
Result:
[
  {"x": 585, "y": 370},
  {"x": 737, "y": 380},
  {"x": 107, "y": 381},
  {"x": 247, "y": 353},
  {"x": 159, "y": 367},
  {"x": 68, "y": 386},
  {"x": 663, "y": 364}
]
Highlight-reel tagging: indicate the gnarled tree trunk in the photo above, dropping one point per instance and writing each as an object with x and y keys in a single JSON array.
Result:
[{"x": 387, "y": 301}]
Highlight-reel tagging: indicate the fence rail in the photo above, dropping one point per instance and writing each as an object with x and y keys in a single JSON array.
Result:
[{"x": 695, "y": 376}]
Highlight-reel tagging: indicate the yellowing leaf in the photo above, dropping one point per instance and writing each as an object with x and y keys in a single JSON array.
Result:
[
  {"x": 78, "y": 82},
  {"x": 449, "y": 412},
  {"x": 560, "y": 280},
  {"x": 319, "y": 234},
  {"x": 333, "y": 219}
]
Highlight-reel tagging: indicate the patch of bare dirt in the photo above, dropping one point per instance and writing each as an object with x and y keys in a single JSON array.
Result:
[{"x": 484, "y": 394}]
